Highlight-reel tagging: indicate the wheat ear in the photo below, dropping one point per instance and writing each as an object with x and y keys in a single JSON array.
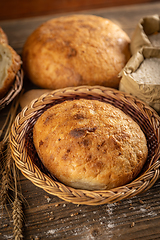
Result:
[
  {"x": 17, "y": 211},
  {"x": 6, "y": 178},
  {"x": 17, "y": 219}
]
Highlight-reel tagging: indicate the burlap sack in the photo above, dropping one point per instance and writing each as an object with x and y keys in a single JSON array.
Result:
[
  {"x": 149, "y": 93},
  {"x": 146, "y": 27}
]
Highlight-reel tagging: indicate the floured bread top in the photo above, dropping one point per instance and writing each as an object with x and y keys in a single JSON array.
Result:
[
  {"x": 148, "y": 72},
  {"x": 89, "y": 144}
]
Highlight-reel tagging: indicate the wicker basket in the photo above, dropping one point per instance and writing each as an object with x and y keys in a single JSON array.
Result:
[
  {"x": 27, "y": 161},
  {"x": 14, "y": 90}
]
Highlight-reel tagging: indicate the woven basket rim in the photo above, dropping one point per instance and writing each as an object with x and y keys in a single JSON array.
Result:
[
  {"x": 127, "y": 103},
  {"x": 14, "y": 90}
]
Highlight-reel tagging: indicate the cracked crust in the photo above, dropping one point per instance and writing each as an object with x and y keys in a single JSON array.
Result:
[
  {"x": 76, "y": 50},
  {"x": 89, "y": 144}
]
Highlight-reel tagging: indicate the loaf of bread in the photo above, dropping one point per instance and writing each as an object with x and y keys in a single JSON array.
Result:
[
  {"x": 10, "y": 64},
  {"x": 89, "y": 144},
  {"x": 76, "y": 50}
]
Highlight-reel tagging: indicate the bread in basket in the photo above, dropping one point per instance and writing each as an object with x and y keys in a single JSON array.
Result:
[{"x": 27, "y": 160}]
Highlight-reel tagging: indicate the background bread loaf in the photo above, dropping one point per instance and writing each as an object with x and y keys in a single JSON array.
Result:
[{"x": 76, "y": 50}]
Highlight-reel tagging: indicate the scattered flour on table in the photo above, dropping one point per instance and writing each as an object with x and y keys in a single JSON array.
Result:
[
  {"x": 147, "y": 212},
  {"x": 107, "y": 221},
  {"x": 52, "y": 231},
  {"x": 152, "y": 214},
  {"x": 7, "y": 236}
]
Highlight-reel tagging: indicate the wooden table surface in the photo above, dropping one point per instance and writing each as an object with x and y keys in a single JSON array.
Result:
[{"x": 47, "y": 216}]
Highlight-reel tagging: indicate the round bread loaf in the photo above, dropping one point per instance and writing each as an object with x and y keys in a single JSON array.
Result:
[
  {"x": 89, "y": 144},
  {"x": 76, "y": 50}
]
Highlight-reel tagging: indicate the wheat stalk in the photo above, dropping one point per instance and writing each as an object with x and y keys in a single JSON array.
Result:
[
  {"x": 5, "y": 153},
  {"x": 6, "y": 178},
  {"x": 9, "y": 174},
  {"x": 4, "y": 187},
  {"x": 17, "y": 211},
  {"x": 17, "y": 219},
  {"x": 9, "y": 178},
  {"x": 2, "y": 146}
]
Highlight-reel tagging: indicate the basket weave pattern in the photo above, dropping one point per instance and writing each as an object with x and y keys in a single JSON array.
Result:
[
  {"x": 14, "y": 90},
  {"x": 26, "y": 158}
]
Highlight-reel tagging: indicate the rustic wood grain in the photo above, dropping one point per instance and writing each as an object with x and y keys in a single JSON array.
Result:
[
  {"x": 47, "y": 216},
  {"x": 19, "y": 9},
  {"x": 127, "y": 17}
]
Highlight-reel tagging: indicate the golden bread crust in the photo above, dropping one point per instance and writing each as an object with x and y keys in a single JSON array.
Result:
[
  {"x": 89, "y": 144},
  {"x": 76, "y": 50}
]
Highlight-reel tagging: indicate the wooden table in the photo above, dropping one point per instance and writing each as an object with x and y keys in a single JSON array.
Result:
[{"x": 47, "y": 216}]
